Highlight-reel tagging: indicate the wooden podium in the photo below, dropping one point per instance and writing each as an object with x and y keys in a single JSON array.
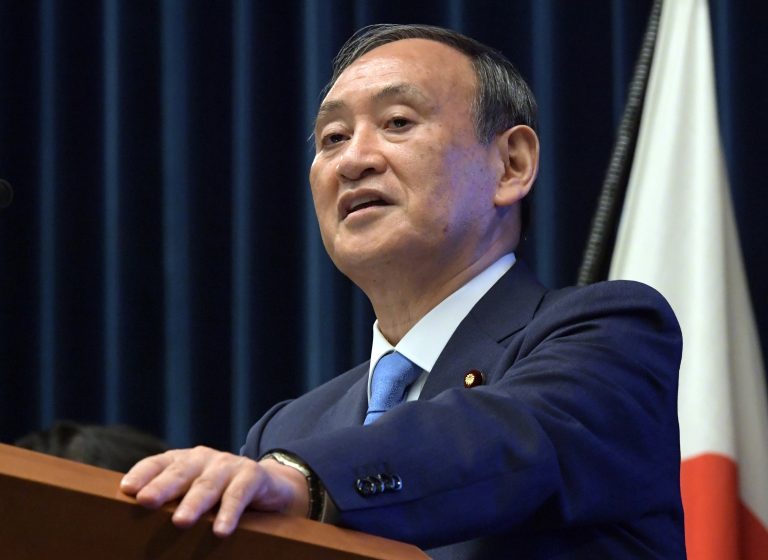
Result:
[{"x": 52, "y": 508}]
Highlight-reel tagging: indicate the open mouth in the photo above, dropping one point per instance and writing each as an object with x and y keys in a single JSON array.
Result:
[{"x": 364, "y": 203}]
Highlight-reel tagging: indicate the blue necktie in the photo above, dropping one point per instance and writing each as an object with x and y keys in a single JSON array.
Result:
[{"x": 392, "y": 376}]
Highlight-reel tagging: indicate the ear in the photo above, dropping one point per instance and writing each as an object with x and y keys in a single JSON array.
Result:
[{"x": 519, "y": 151}]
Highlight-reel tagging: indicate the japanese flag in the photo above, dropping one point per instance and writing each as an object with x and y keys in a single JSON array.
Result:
[{"x": 677, "y": 234}]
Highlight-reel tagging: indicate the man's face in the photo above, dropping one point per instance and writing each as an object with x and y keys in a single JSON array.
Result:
[{"x": 399, "y": 178}]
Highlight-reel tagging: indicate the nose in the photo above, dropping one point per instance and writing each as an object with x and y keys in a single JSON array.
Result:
[{"x": 361, "y": 156}]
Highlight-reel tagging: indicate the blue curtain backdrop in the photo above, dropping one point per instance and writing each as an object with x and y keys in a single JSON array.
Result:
[{"x": 161, "y": 265}]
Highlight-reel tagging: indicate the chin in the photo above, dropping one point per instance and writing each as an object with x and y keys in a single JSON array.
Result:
[
  {"x": 350, "y": 261},
  {"x": 363, "y": 262}
]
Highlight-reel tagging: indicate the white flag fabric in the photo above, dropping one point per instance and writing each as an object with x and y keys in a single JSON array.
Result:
[{"x": 677, "y": 233}]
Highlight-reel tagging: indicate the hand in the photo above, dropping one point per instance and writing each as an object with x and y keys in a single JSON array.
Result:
[{"x": 204, "y": 477}]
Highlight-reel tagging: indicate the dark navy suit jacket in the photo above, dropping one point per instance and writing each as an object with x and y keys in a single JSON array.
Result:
[{"x": 568, "y": 450}]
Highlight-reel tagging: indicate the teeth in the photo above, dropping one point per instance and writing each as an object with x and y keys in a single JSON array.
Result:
[{"x": 364, "y": 200}]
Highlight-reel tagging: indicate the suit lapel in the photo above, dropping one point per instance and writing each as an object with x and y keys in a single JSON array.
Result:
[
  {"x": 469, "y": 348},
  {"x": 507, "y": 307}
]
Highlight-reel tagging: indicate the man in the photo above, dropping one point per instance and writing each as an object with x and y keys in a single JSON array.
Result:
[{"x": 539, "y": 424}]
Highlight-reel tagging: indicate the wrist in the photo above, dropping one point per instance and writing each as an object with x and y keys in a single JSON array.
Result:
[{"x": 310, "y": 494}]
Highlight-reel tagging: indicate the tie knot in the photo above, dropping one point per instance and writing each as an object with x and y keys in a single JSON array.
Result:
[{"x": 392, "y": 376}]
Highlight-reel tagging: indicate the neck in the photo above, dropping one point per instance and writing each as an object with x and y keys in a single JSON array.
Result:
[{"x": 400, "y": 304}]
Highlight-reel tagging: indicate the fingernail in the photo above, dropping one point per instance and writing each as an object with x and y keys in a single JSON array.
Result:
[{"x": 221, "y": 528}]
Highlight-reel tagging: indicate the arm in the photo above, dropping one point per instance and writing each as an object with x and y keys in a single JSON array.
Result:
[{"x": 577, "y": 425}]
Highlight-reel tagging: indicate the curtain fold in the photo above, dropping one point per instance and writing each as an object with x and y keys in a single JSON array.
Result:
[{"x": 161, "y": 265}]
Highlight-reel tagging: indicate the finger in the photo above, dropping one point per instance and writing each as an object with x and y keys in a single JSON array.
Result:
[
  {"x": 176, "y": 478},
  {"x": 144, "y": 471},
  {"x": 250, "y": 481},
  {"x": 206, "y": 490}
]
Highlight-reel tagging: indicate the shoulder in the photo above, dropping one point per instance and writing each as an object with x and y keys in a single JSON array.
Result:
[
  {"x": 618, "y": 320},
  {"x": 518, "y": 303},
  {"x": 631, "y": 301},
  {"x": 609, "y": 289}
]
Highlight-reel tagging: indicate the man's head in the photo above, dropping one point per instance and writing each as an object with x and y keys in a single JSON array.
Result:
[
  {"x": 503, "y": 98},
  {"x": 424, "y": 149}
]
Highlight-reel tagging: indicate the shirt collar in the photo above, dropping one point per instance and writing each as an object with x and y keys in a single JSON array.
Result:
[{"x": 424, "y": 342}]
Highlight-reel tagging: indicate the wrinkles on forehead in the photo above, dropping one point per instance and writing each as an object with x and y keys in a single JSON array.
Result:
[{"x": 400, "y": 92}]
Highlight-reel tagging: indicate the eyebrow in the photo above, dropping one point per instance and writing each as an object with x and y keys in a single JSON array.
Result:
[
  {"x": 400, "y": 90},
  {"x": 328, "y": 108},
  {"x": 404, "y": 89}
]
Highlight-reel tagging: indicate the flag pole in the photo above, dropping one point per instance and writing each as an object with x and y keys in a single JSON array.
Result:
[{"x": 597, "y": 253}]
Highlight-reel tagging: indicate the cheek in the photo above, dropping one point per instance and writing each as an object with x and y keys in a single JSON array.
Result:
[
  {"x": 321, "y": 187},
  {"x": 468, "y": 187}
]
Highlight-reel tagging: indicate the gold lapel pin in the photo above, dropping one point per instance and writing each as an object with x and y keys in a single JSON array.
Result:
[{"x": 474, "y": 378}]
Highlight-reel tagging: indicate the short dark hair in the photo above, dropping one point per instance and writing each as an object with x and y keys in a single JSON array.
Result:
[
  {"x": 111, "y": 447},
  {"x": 503, "y": 98}
]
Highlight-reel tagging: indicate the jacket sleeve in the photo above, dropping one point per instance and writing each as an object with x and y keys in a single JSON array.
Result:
[{"x": 577, "y": 425}]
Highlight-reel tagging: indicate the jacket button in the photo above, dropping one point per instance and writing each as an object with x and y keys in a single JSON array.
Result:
[
  {"x": 474, "y": 378},
  {"x": 392, "y": 482},
  {"x": 379, "y": 485},
  {"x": 366, "y": 486}
]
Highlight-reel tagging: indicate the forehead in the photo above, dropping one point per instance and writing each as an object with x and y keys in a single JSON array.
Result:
[{"x": 436, "y": 69}]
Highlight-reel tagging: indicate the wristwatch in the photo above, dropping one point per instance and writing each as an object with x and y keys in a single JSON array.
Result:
[{"x": 318, "y": 502}]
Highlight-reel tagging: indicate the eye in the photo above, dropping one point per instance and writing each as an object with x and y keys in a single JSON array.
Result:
[
  {"x": 333, "y": 138},
  {"x": 399, "y": 122}
]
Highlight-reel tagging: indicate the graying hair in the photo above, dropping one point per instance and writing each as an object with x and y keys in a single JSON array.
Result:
[{"x": 503, "y": 98}]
